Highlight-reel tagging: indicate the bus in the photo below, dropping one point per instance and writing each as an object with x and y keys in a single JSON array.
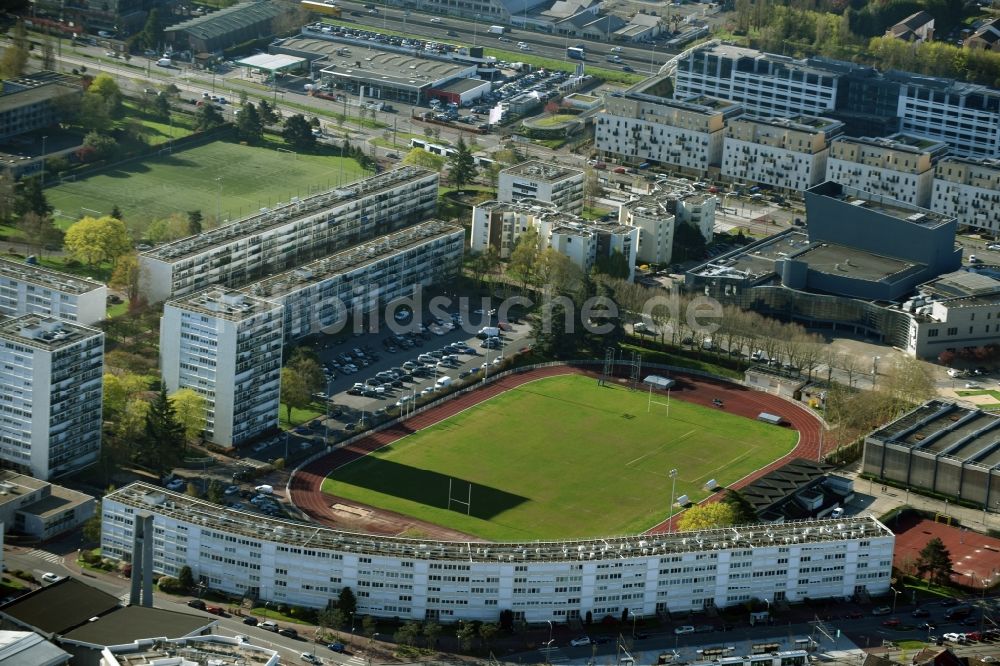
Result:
[{"x": 576, "y": 53}]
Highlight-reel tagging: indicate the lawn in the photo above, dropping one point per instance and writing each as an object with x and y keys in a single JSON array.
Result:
[
  {"x": 547, "y": 460},
  {"x": 230, "y": 178}
]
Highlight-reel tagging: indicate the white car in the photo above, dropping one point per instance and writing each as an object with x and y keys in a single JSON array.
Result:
[
  {"x": 50, "y": 577},
  {"x": 955, "y": 638},
  {"x": 310, "y": 658},
  {"x": 686, "y": 629},
  {"x": 993, "y": 246},
  {"x": 616, "y": 49},
  {"x": 972, "y": 385},
  {"x": 435, "y": 20},
  {"x": 579, "y": 642},
  {"x": 264, "y": 490}
]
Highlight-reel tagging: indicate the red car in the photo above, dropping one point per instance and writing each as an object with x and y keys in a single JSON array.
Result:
[
  {"x": 215, "y": 610},
  {"x": 890, "y": 623}
]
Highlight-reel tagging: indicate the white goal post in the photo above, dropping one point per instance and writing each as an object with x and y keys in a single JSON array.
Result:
[{"x": 466, "y": 502}]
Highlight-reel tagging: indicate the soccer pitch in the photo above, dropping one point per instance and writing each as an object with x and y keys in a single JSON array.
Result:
[
  {"x": 228, "y": 178},
  {"x": 560, "y": 458}
]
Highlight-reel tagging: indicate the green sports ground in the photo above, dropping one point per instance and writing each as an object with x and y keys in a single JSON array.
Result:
[{"x": 559, "y": 458}]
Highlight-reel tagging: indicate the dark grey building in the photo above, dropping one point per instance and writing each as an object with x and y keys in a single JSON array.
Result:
[
  {"x": 31, "y": 102},
  {"x": 224, "y": 28}
]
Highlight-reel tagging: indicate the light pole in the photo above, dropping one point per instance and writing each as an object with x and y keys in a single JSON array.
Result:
[
  {"x": 218, "y": 202},
  {"x": 673, "y": 487},
  {"x": 475, "y": 29},
  {"x": 43, "y": 161},
  {"x": 874, "y": 369},
  {"x": 895, "y": 595}
]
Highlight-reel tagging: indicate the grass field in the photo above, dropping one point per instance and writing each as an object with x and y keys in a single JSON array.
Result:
[
  {"x": 560, "y": 458},
  {"x": 154, "y": 188}
]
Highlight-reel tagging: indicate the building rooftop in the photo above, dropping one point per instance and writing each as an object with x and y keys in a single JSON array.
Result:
[
  {"x": 281, "y": 214},
  {"x": 59, "y": 501},
  {"x": 542, "y": 171},
  {"x": 983, "y": 162},
  {"x": 964, "y": 288},
  {"x": 348, "y": 260},
  {"x": 460, "y": 86},
  {"x": 903, "y": 143},
  {"x": 43, "y": 277},
  {"x": 213, "y": 650},
  {"x": 60, "y": 607},
  {"x": 43, "y": 332},
  {"x": 26, "y": 648},
  {"x": 33, "y": 88},
  {"x": 272, "y": 62},
  {"x": 835, "y": 259},
  {"x": 862, "y": 199},
  {"x": 259, "y": 528},
  {"x": 946, "y": 429},
  {"x": 14, "y": 486},
  {"x": 783, "y": 482},
  {"x": 225, "y": 21},
  {"x": 223, "y": 303},
  {"x": 695, "y": 104},
  {"x": 800, "y": 123},
  {"x": 133, "y": 623},
  {"x": 390, "y": 66}
]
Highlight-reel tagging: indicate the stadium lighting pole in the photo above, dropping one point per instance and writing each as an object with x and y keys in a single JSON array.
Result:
[{"x": 673, "y": 487}]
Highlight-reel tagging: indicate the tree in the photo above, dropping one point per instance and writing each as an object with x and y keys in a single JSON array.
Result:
[
  {"x": 152, "y": 31},
  {"x": 487, "y": 631},
  {"x": 524, "y": 256},
  {"x": 592, "y": 188},
  {"x": 743, "y": 511},
  {"x": 190, "y": 409},
  {"x": 186, "y": 578},
  {"x": 407, "y": 634},
  {"x": 216, "y": 491},
  {"x": 368, "y": 624},
  {"x": 466, "y": 634},
  {"x": 298, "y": 133},
  {"x": 207, "y": 117},
  {"x": 268, "y": 115},
  {"x": 614, "y": 265},
  {"x": 295, "y": 394},
  {"x": 30, "y": 198},
  {"x": 48, "y": 54},
  {"x": 331, "y": 618},
  {"x": 421, "y": 158},
  {"x": 94, "y": 240},
  {"x": 461, "y": 165},
  {"x": 347, "y": 602},
  {"x": 101, "y": 146},
  {"x": 105, "y": 87},
  {"x": 119, "y": 389},
  {"x": 116, "y": 212},
  {"x": 161, "y": 106},
  {"x": 92, "y": 527},
  {"x": 15, "y": 56},
  {"x": 688, "y": 243},
  {"x": 707, "y": 516},
  {"x": 92, "y": 114},
  {"x": 39, "y": 231},
  {"x": 431, "y": 632},
  {"x": 249, "y": 126},
  {"x": 935, "y": 559},
  {"x": 194, "y": 222},
  {"x": 162, "y": 442},
  {"x": 552, "y": 108}
]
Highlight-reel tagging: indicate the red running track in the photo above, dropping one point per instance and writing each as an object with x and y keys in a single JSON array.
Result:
[{"x": 306, "y": 484}]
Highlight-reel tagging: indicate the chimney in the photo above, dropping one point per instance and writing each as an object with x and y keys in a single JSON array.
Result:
[{"x": 141, "y": 593}]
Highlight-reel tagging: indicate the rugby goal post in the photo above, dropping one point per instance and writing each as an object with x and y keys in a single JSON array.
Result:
[
  {"x": 466, "y": 502},
  {"x": 651, "y": 402}
]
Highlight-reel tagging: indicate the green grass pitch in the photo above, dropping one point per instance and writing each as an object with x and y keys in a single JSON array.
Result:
[
  {"x": 560, "y": 458},
  {"x": 154, "y": 188}
]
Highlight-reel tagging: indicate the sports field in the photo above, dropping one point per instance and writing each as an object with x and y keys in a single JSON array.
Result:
[
  {"x": 230, "y": 178},
  {"x": 559, "y": 458}
]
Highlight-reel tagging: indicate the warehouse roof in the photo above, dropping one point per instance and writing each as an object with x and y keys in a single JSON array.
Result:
[
  {"x": 272, "y": 62},
  {"x": 135, "y": 622},
  {"x": 224, "y": 21},
  {"x": 60, "y": 607}
]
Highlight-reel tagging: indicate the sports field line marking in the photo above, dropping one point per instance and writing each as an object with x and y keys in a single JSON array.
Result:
[
  {"x": 661, "y": 447},
  {"x": 731, "y": 462}
]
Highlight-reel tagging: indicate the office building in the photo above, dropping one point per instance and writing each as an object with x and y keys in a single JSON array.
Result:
[
  {"x": 34, "y": 101},
  {"x": 51, "y": 377},
  {"x": 968, "y": 189},
  {"x": 899, "y": 167},
  {"x": 637, "y": 127},
  {"x": 31, "y": 289},
  {"x": 307, "y": 565},
  {"x": 226, "y": 346},
  {"x": 788, "y": 154},
  {"x": 291, "y": 234},
  {"x": 542, "y": 181},
  {"x": 39, "y": 509}
]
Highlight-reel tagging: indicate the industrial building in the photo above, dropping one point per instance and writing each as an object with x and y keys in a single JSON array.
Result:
[
  {"x": 31, "y": 289},
  {"x": 542, "y": 181},
  {"x": 220, "y": 29},
  {"x": 968, "y": 189},
  {"x": 420, "y": 579},
  {"x": 33, "y": 102},
  {"x": 51, "y": 375},
  {"x": 940, "y": 447},
  {"x": 900, "y": 167},
  {"x": 291, "y": 234}
]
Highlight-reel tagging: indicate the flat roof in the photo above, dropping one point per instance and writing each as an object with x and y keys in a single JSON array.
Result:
[
  {"x": 799, "y": 123},
  {"x": 60, "y": 500},
  {"x": 373, "y": 62},
  {"x": 285, "y": 213},
  {"x": 43, "y": 332},
  {"x": 695, "y": 104},
  {"x": 60, "y": 607},
  {"x": 462, "y": 85},
  {"x": 755, "y": 261},
  {"x": 132, "y": 623},
  {"x": 26, "y": 648},
  {"x": 208, "y": 516},
  {"x": 272, "y": 62},
  {"x": 783, "y": 482},
  {"x": 836, "y": 259},
  {"x": 44, "y": 277},
  {"x": 15, "y": 486},
  {"x": 228, "y": 20},
  {"x": 542, "y": 171},
  {"x": 945, "y": 429},
  {"x": 862, "y": 199},
  {"x": 214, "y": 650},
  {"x": 223, "y": 303},
  {"x": 903, "y": 143}
]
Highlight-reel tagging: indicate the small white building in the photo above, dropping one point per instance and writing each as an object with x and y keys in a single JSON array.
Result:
[
  {"x": 30, "y": 289},
  {"x": 952, "y": 312},
  {"x": 40, "y": 509},
  {"x": 542, "y": 181},
  {"x": 968, "y": 189},
  {"x": 657, "y": 215},
  {"x": 788, "y": 154},
  {"x": 899, "y": 167}
]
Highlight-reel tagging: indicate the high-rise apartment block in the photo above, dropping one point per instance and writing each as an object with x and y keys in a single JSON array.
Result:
[
  {"x": 30, "y": 289},
  {"x": 968, "y": 189},
  {"x": 542, "y": 181},
  {"x": 786, "y": 153},
  {"x": 899, "y": 167}
]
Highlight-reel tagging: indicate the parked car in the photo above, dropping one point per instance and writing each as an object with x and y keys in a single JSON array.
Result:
[
  {"x": 579, "y": 642},
  {"x": 288, "y": 632},
  {"x": 197, "y": 603},
  {"x": 250, "y": 620},
  {"x": 881, "y": 610},
  {"x": 686, "y": 629}
]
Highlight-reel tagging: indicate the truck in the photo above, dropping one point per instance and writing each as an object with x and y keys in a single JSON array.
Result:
[
  {"x": 164, "y": 62},
  {"x": 497, "y": 30},
  {"x": 576, "y": 53},
  {"x": 489, "y": 332}
]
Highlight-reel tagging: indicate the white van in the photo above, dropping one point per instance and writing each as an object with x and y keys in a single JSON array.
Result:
[
  {"x": 489, "y": 332},
  {"x": 442, "y": 382},
  {"x": 164, "y": 62}
]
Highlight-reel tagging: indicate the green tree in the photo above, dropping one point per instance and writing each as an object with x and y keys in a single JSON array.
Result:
[
  {"x": 15, "y": 56},
  {"x": 524, "y": 257},
  {"x": 487, "y": 631},
  {"x": 407, "y": 634},
  {"x": 706, "y": 517},
  {"x": 368, "y": 625},
  {"x": 331, "y": 618},
  {"x": 207, "y": 117},
  {"x": 30, "y": 198},
  {"x": 268, "y": 115},
  {"x": 431, "y": 632},
  {"x": 94, "y": 240},
  {"x": 298, "y": 133},
  {"x": 194, "y": 222},
  {"x": 186, "y": 578},
  {"x": 614, "y": 265},
  {"x": 466, "y": 634},
  {"x": 119, "y": 389},
  {"x": 105, "y": 87},
  {"x": 92, "y": 526},
  {"x": 346, "y": 601},
  {"x": 249, "y": 127},
  {"x": 102, "y": 146},
  {"x": 461, "y": 165},
  {"x": 152, "y": 31},
  {"x": 162, "y": 443},
  {"x": 295, "y": 393},
  {"x": 92, "y": 114},
  {"x": 743, "y": 511},
  {"x": 934, "y": 560},
  {"x": 116, "y": 212},
  {"x": 125, "y": 276},
  {"x": 39, "y": 231},
  {"x": 161, "y": 107},
  {"x": 688, "y": 243},
  {"x": 421, "y": 158},
  {"x": 190, "y": 409},
  {"x": 216, "y": 492}
]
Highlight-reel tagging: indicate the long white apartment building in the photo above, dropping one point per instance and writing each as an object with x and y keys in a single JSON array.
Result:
[
  {"x": 637, "y": 127},
  {"x": 657, "y": 215},
  {"x": 899, "y": 167},
  {"x": 291, "y": 234},
  {"x": 968, "y": 189},
  {"x": 307, "y": 565},
  {"x": 30, "y": 289},
  {"x": 226, "y": 346},
  {"x": 51, "y": 383},
  {"x": 356, "y": 282},
  {"x": 499, "y": 224},
  {"x": 542, "y": 181},
  {"x": 963, "y": 115},
  {"x": 788, "y": 154}
]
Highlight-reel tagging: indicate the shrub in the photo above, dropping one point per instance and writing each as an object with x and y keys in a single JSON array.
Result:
[{"x": 170, "y": 585}]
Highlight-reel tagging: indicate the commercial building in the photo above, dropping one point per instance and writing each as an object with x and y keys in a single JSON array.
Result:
[
  {"x": 358, "y": 281},
  {"x": 968, "y": 189},
  {"x": 212, "y": 650},
  {"x": 289, "y": 235},
  {"x": 789, "y": 154},
  {"x": 941, "y": 447},
  {"x": 637, "y": 127},
  {"x": 218, "y": 30},
  {"x": 900, "y": 167},
  {"x": 420, "y": 579},
  {"x": 657, "y": 214},
  {"x": 955, "y": 311},
  {"x": 51, "y": 376},
  {"x": 542, "y": 181},
  {"x": 34, "y": 101},
  {"x": 226, "y": 346},
  {"x": 30, "y": 289},
  {"x": 39, "y": 509},
  {"x": 499, "y": 11},
  {"x": 870, "y": 103}
]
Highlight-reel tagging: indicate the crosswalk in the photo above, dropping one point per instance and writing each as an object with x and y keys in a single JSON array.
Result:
[
  {"x": 46, "y": 555},
  {"x": 553, "y": 655}
]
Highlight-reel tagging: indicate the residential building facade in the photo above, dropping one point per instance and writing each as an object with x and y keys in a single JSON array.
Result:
[
  {"x": 657, "y": 215},
  {"x": 969, "y": 189},
  {"x": 307, "y": 565},
  {"x": 226, "y": 346},
  {"x": 789, "y": 154},
  {"x": 498, "y": 224},
  {"x": 51, "y": 376},
  {"x": 542, "y": 181},
  {"x": 290, "y": 235},
  {"x": 637, "y": 127},
  {"x": 30, "y": 289},
  {"x": 900, "y": 167},
  {"x": 32, "y": 102}
]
